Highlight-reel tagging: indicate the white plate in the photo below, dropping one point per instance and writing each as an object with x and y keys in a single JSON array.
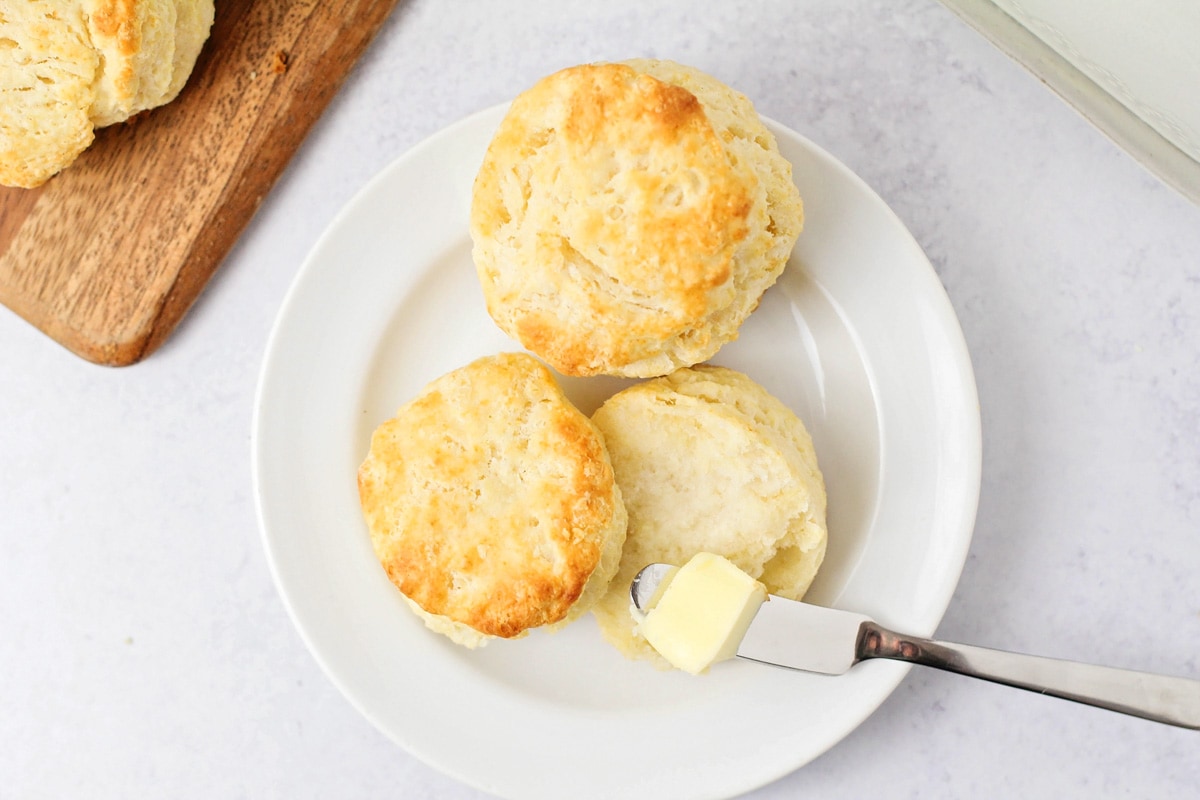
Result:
[{"x": 857, "y": 337}]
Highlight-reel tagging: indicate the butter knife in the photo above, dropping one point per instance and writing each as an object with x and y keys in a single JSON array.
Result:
[{"x": 810, "y": 638}]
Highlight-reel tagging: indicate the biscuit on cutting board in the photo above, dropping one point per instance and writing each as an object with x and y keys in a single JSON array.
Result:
[
  {"x": 628, "y": 216},
  {"x": 491, "y": 502},
  {"x": 70, "y": 66},
  {"x": 709, "y": 461}
]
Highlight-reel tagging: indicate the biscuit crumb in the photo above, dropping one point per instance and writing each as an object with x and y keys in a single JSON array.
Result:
[{"x": 279, "y": 64}]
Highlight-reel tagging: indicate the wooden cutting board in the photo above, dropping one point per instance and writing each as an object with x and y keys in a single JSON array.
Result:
[{"x": 107, "y": 256}]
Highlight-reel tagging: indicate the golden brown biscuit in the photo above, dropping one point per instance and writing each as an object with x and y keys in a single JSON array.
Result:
[
  {"x": 708, "y": 461},
  {"x": 627, "y": 217},
  {"x": 491, "y": 502},
  {"x": 70, "y": 66}
]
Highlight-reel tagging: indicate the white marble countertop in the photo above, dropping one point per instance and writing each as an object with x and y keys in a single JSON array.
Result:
[{"x": 146, "y": 653}]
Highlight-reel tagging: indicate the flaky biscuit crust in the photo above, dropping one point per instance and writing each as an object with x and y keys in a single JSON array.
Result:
[
  {"x": 46, "y": 80},
  {"x": 627, "y": 217},
  {"x": 70, "y": 66},
  {"x": 491, "y": 502}
]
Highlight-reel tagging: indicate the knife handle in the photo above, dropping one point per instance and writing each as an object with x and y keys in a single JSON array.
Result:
[{"x": 1162, "y": 698}]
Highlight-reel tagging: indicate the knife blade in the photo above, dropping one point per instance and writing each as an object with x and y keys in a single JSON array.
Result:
[
  {"x": 829, "y": 643},
  {"x": 802, "y": 636},
  {"x": 784, "y": 633}
]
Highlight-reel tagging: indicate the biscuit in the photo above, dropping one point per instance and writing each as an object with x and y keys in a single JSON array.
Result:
[
  {"x": 70, "y": 66},
  {"x": 491, "y": 502},
  {"x": 708, "y": 461},
  {"x": 627, "y": 217}
]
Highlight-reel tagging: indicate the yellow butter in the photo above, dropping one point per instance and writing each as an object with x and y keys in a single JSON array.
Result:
[{"x": 703, "y": 613}]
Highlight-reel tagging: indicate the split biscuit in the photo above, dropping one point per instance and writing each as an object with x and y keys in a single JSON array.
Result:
[
  {"x": 68, "y": 67},
  {"x": 491, "y": 502},
  {"x": 709, "y": 461},
  {"x": 628, "y": 217}
]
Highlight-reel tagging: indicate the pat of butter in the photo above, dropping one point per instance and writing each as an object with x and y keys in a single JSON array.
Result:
[{"x": 703, "y": 614}]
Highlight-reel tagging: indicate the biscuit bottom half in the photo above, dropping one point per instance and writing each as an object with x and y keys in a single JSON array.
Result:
[{"x": 708, "y": 461}]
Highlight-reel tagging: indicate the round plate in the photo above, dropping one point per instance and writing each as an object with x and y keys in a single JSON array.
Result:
[{"x": 858, "y": 337}]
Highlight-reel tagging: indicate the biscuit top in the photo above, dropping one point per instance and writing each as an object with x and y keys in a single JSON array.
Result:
[
  {"x": 616, "y": 189},
  {"x": 490, "y": 498}
]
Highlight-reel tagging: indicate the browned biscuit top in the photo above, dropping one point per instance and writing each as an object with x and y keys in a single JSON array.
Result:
[
  {"x": 490, "y": 499},
  {"x": 606, "y": 217}
]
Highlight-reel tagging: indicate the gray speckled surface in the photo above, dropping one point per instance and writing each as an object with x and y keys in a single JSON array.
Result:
[{"x": 146, "y": 653}]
